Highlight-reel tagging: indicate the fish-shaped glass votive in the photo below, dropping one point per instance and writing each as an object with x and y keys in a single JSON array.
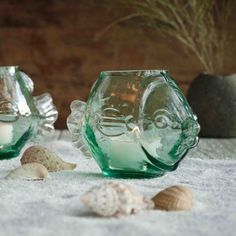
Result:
[
  {"x": 135, "y": 123},
  {"x": 22, "y": 116}
]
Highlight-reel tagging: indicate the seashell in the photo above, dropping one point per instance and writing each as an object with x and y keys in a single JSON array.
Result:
[
  {"x": 174, "y": 198},
  {"x": 114, "y": 199},
  {"x": 30, "y": 171},
  {"x": 47, "y": 158}
]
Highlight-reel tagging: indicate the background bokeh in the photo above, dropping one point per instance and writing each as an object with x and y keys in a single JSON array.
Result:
[{"x": 55, "y": 42}]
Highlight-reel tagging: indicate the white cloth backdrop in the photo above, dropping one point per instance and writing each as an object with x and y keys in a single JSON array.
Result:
[{"x": 53, "y": 207}]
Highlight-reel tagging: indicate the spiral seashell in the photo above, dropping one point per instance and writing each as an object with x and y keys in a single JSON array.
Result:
[
  {"x": 114, "y": 199},
  {"x": 47, "y": 158},
  {"x": 103, "y": 200},
  {"x": 30, "y": 171},
  {"x": 174, "y": 198}
]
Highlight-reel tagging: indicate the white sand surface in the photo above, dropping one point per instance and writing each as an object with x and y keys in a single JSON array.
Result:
[{"x": 53, "y": 207}]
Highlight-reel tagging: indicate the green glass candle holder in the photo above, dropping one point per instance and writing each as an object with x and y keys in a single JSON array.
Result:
[
  {"x": 22, "y": 116},
  {"x": 135, "y": 124}
]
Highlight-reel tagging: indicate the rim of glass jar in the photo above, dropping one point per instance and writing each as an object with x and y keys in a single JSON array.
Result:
[
  {"x": 9, "y": 67},
  {"x": 12, "y": 69},
  {"x": 153, "y": 72}
]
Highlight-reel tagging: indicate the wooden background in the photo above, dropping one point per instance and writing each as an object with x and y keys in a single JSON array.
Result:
[{"x": 55, "y": 43}]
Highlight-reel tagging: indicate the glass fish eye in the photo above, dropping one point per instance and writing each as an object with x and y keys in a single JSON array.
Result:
[{"x": 162, "y": 118}]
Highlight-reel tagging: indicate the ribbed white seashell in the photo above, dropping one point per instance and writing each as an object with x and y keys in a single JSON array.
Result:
[
  {"x": 114, "y": 199},
  {"x": 31, "y": 171},
  {"x": 47, "y": 158}
]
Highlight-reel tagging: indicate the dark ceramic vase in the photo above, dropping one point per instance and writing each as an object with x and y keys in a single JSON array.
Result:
[{"x": 213, "y": 99}]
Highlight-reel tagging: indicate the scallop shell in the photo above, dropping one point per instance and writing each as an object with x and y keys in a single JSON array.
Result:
[
  {"x": 30, "y": 171},
  {"x": 47, "y": 158},
  {"x": 114, "y": 199},
  {"x": 174, "y": 198}
]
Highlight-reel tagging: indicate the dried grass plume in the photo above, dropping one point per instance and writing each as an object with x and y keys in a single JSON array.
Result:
[{"x": 200, "y": 25}]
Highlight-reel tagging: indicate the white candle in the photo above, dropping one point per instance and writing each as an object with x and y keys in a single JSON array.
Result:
[
  {"x": 125, "y": 154},
  {"x": 125, "y": 151},
  {"x": 6, "y": 133}
]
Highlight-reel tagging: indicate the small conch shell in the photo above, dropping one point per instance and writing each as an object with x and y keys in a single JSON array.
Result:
[
  {"x": 114, "y": 199},
  {"x": 30, "y": 171},
  {"x": 174, "y": 198},
  {"x": 47, "y": 158}
]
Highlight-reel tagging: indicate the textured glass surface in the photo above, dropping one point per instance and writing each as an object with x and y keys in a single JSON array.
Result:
[
  {"x": 135, "y": 123},
  {"x": 22, "y": 116}
]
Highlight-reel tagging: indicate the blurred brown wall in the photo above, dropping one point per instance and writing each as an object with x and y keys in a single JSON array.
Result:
[{"x": 54, "y": 42}]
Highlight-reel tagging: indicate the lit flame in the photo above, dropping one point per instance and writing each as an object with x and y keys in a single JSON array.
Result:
[
  {"x": 136, "y": 132},
  {"x": 136, "y": 129}
]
